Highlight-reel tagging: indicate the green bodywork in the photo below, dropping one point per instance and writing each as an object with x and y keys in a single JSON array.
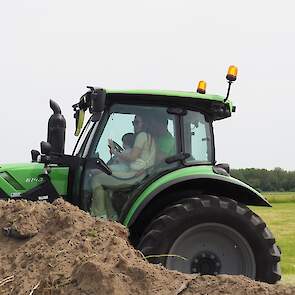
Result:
[
  {"x": 199, "y": 171},
  {"x": 18, "y": 178}
]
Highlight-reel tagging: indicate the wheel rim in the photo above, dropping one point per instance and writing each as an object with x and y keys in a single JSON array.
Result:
[{"x": 212, "y": 248}]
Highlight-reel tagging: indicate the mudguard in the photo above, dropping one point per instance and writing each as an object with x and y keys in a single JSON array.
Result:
[{"x": 201, "y": 178}]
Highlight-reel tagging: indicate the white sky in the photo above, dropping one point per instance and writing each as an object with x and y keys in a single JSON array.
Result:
[{"x": 53, "y": 49}]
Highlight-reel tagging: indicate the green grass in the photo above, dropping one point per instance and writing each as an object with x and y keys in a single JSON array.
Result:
[
  {"x": 281, "y": 221},
  {"x": 280, "y": 197}
]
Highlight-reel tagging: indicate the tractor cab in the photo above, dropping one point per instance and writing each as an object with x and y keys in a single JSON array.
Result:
[
  {"x": 132, "y": 138},
  {"x": 141, "y": 136}
]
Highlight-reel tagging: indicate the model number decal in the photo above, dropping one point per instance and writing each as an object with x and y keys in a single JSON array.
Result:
[
  {"x": 34, "y": 179},
  {"x": 15, "y": 195}
]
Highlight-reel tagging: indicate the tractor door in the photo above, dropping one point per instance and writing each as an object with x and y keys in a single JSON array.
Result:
[
  {"x": 134, "y": 153},
  {"x": 198, "y": 138}
]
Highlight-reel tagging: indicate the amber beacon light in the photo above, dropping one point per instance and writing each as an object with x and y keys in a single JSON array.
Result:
[
  {"x": 232, "y": 73},
  {"x": 231, "y": 76},
  {"x": 202, "y": 87}
]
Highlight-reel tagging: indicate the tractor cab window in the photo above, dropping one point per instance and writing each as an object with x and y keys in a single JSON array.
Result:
[
  {"x": 134, "y": 142},
  {"x": 197, "y": 138}
]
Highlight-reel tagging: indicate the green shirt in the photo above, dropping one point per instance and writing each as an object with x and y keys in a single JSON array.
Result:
[{"x": 166, "y": 144}]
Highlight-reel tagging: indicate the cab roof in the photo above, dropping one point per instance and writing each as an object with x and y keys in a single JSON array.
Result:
[
  {"x": 211, "y": 103},
  {"x": 174, "y": 93}
]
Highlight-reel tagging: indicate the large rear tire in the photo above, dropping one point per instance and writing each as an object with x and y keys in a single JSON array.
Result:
[{"x": 211, "y": 235}]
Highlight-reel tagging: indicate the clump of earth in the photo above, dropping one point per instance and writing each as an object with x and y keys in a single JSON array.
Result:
[{"x": 59, "y": 249}]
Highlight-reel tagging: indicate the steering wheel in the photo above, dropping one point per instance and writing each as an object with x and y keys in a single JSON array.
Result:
[{"x": 117, "y": 147}]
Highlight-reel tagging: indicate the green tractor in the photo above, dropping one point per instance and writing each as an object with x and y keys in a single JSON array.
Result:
[{"x": 147, "y": 159}]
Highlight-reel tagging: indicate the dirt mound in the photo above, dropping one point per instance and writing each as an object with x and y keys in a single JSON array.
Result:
[{"x": 59, "y": 249}]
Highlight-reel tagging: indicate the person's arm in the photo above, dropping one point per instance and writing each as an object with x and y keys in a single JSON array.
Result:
[
  {"x": 131, "y": 156},
  {"x": 136, "y": 151}
]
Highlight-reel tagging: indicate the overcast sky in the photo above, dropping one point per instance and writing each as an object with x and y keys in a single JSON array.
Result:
[{"x": 53, "y": 49}]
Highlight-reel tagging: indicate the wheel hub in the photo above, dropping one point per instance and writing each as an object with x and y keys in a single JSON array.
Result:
[{"x": 206, "y": 263}]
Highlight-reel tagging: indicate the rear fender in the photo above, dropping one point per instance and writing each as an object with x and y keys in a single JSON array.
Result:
[{"x": 156, "y": 197}]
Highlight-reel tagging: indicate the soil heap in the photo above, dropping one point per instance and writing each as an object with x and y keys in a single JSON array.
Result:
[{"x": 59, "y": 249}]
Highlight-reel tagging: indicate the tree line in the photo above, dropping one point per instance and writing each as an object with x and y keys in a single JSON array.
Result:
[{"x": 278, "y": 180}]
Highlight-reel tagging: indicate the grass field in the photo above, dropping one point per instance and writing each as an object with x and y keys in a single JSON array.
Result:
[
  {"x": 281, "y": 221},
  {"x": 278, "y": 197}
]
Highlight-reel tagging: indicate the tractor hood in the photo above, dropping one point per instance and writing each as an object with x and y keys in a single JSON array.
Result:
[
  {"x": 16, "y": 179},
  {"x": 20, "y": 166}
]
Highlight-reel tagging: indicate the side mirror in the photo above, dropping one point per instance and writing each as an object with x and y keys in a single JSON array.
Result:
[
  {"x": 97, "y": 99},
  {"x": 56, "y": 129},
  {"x": 79, "y": 116},
  {"x": 46, "y": 148}
]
